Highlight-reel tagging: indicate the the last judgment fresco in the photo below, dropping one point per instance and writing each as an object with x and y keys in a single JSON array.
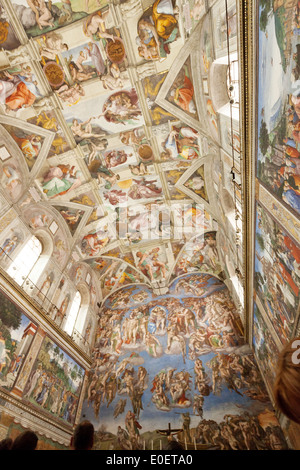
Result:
[{"x": 177, "y": 361}]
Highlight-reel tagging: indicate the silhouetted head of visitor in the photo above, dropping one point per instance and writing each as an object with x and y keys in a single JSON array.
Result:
[
  {"x": 25, "y": 441},
  {"x": 6, "y": 444},
  {"x": 287, "y": 382},
  {"x": 83, "y": 436}
]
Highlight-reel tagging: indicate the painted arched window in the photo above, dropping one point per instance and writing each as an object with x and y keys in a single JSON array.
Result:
[
  {"x": 238, "y": 287},
  {"x": 224, "y": 80},
  {"x": 25, "y": 260},
  {"x": 41, "y": 263},
  {"x": 73, "y": 312},
  {"x": 233, "y": 83},
  {"x": 81, "y": 318}
]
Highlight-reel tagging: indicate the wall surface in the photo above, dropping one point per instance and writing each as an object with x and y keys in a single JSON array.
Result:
[
  {"x": 40, "y": 383},
  {"x": 178, "y": 358},
  {"x": 277, "y": 250}
]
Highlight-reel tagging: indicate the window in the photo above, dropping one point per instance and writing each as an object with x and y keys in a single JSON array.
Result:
[
  {"x": 22, "y": 265},
  {"x": 81, "y": 319},
  {"x": 71, "y": 319}
]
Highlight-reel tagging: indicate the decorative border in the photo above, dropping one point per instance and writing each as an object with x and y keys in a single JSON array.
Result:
[
  {"x": 253, "y": 189},
  {"x": 29, "y": 416},
  {"x": 247, "y": 45},
  {"x": 256, "y": 294},
  {"x": 211, "y": 204}
]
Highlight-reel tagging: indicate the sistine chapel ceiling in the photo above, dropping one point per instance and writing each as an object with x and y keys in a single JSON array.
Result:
[{"x": 118, "y": 137}]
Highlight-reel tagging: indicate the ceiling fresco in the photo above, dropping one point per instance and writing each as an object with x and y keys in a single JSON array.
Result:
[
  {"x": 110, "y": 130},
  {"x": 120, "y": 149}
]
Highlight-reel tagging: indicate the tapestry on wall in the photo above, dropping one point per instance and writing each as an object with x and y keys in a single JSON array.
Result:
[
  {"x": 55, "y": 382},
  {"x": 278, "y": 103},
  {"x": 16, "y": 335},
  {"x": 265, "y": 348},
  {"x": 276, "y": 277}
]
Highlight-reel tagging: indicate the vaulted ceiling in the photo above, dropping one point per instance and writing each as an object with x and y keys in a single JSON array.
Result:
[{"x": 112, "y": 139}]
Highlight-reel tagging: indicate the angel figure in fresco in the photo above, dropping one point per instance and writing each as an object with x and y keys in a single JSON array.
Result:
[
  {"x": 182, "y": 92},
  {"x": 186, "y": 426},
  {"x": 94, "y": 53},
  {"x": 181, "y": 143},
  {"x": 112, "y": 79},
  {"x": 196, "y": 183},
  {"x": 15, "y": 92},
  {"x": 123, "y": 439},
  {"x": 103, "y": 174},
  {"x": 70, "y": 94},
  {"x": 175, "y": 336},
  {"x": 200, "y": 374},
  {"x": 94, "y": 26},
  {"x": 136, "y": 400},
  {"x": 142, "y": 378},
  {"x": 40, "y": 220},
  {"x": 77, "y": 75},
  {"x": 45, "y": 287},
  {"x": 194, "y": 217},
  {"x": 11, "y": 180},
  {"x": 47, "y": 122},
  {"x": 144, "y": 189},
  {"x": 197, "y": 342},
  {"x": 110, "y": 388},
  {"x": 121, "y": 107},
  {"x": 159, "y": 390},
  {"x": 139, "y": 170},
  {"x": 8, "y": 246},
  {"x": 95, "y": 148},
  {"x": 84, "y": 130},
  {"x": 133, "y": 137},
  {"x": 62, "y": 311},
  {"x": 43, "y": 15},
  {"x": 79, "y": 61},
  {"x": 152, "y": 344},
  {"x": 52, "y": 46},
  {"x": 212, "y": 113},
  {"x": 30, "y": 146},
  {"x": 116, "y": 157},
  {"x": 60, "y": 179},
  {"x": 71, "y": 217},
  {"x": 159, "y": 315},
  {"x": 198, "y": 9},
  {"x": 93, "y": 242},
  {"x": 150, "y": 264},
  {"x": 120, "y": 407},
  {"x": 115, "y": 196},
  {"x": 157, "y": 30}
]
